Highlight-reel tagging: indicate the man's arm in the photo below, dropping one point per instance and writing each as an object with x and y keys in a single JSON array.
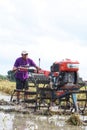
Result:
[
  {"x": 37, "y": 68},
  {"x": 14, "y": 68}
]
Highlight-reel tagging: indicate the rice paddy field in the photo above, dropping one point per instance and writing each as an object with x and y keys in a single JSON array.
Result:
[
  {"x": 7, "y": 86},
  {"x": 10, "y": 120}
]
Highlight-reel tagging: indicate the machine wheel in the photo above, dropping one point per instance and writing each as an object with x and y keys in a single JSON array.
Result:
[{"x": 66, "y": 104}]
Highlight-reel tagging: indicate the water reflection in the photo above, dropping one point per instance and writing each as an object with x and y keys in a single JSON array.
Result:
[
  {"x": 19, "y": 121},
  {"x": 6, "y": 121}
]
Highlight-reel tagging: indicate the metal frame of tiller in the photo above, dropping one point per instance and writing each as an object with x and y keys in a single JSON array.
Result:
[{"x": 43, "y": 96}]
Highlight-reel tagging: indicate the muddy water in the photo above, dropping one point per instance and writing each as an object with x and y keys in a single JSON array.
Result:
[
  {"x": 32, "y": 122},
  {"x": 19, "y": 121}
]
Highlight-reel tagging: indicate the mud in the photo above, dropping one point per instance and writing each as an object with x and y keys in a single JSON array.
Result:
[{"x": 19, "y": 117}]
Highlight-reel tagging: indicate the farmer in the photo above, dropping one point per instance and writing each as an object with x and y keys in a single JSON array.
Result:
[{"x": 20, "y": 68}]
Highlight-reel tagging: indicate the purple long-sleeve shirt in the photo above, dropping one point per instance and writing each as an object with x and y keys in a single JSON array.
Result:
[{"x": 22, "y": 75}]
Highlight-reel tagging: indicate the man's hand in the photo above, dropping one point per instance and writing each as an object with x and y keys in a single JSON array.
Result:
[
  {"x": 38, "y": 69},
  {"x": 23, "y": 68},
  {"x": 14, "y": 69}
]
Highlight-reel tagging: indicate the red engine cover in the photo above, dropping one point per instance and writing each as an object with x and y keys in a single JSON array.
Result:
[{"x": 68, "y": 65}]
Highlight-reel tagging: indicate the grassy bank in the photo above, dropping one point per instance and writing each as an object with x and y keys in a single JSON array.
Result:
[{"x": 7, "y": 86}]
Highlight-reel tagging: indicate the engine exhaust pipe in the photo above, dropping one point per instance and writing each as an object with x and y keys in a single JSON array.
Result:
[{"x": 39, "y": 62}]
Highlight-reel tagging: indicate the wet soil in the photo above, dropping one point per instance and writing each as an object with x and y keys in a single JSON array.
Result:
[{"x": 19, "y": 117}]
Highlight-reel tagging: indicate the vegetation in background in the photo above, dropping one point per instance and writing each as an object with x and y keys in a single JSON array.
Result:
[
  {"x": 2, "y": 77},
  {"x": 7, "y": 86}
]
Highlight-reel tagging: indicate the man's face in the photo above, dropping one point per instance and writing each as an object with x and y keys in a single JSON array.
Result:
[{"x": 25, "y": 56}]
